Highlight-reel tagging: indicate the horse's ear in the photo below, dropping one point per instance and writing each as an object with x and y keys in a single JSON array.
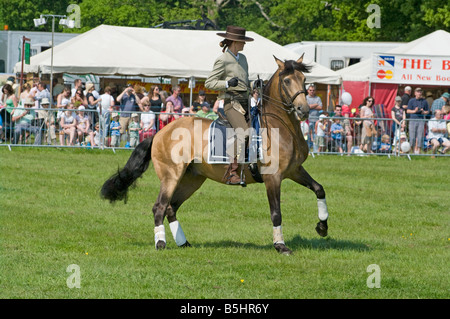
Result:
[
  {"x": 299, "y": 61},
  {"x": 280, "y": 63}
]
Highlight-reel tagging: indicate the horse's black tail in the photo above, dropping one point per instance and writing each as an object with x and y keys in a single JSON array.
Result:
[{"x": 116, "y": 187}]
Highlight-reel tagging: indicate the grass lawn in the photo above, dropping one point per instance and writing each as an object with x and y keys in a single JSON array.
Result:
[{"x": 393, "y": 213}]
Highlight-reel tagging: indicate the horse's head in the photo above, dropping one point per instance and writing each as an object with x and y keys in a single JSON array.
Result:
[{"x": 292, "y": 86}]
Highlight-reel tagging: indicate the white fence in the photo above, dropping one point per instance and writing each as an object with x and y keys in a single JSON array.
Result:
[{"x": 335, "y": 136}]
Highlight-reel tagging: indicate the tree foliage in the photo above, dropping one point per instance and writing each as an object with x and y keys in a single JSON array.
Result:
[{"x": 283, "y": 21}]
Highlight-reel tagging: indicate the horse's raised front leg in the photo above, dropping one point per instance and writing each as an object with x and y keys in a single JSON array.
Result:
[
  {"x": 303, "y": 178},
  {"x": 273, "y": 187}
]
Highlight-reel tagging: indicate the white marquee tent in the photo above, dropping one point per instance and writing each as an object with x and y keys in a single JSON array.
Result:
[{"x": 112, "y": 50}]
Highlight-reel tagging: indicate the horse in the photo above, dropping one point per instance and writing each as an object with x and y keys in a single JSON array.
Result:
[{"x": 284, "y": 105}]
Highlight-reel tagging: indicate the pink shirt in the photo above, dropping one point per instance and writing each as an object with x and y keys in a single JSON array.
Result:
[{"x": 177, "y": 103}]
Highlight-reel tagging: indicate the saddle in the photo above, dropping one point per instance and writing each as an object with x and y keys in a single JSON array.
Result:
[{"x": 217, "y": 153}]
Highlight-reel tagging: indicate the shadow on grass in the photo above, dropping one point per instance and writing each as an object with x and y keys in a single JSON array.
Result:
[{"x": 295, "y": 243}]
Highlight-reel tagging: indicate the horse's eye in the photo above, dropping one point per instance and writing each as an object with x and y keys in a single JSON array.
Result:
[{"x": 287, "y": 81}]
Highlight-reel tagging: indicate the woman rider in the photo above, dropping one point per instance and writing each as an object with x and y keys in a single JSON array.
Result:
[{"x": 230, "y": 77}]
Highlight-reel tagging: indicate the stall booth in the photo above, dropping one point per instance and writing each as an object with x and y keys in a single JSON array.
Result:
[{"x": 424, "y": 63}]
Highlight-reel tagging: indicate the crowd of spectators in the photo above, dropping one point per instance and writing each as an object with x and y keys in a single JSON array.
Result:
[
  {"x": 81, "y": 115},
  {"x": 419, "y": 120}
]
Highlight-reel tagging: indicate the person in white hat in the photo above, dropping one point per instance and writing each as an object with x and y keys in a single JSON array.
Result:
[
  {"x": 321, "y": 128},
  {"x": 134, "y": 128},
  {"x": 83, "y": 125},
  {"x": 23, "y": 120},
  {"x": 115, "y": 128}
]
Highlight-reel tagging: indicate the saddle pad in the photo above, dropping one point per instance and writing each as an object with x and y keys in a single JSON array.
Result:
[{"x": 218, "y": 142}]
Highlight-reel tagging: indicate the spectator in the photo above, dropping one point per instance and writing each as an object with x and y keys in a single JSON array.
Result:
[
  {"x": 83, "y": 125},
  {"x": 417, "y": 109},
  {"x": 62, "y": 101},
  {"x": 106, "y": 107},
  {"x": 446, "y": 113},
  {"x": 165, "y": 117},
  {"x": 429, "y": 98},
  {"x": 58, "y": 87},
  {"x": 25, "y": 93},
  {"x": 405, "y": 99},
  {"x": 41, "y": 93},
  {"x": 336, "y": 134},
  {"x": 206, "y": 112},
  {"x": 68, "y": 125},
  {"x": 1, "y": 131},
  {"x": 155, "y": 99},
  {"x": 321, "y": 128},
  {"x": 134, "y": 127},
  {"x": 97, "y": 135},
  {"x": 79, "y": 99},
  {"x": 115, "y": 130},
  {"x": 139, "y": 92},
  {"x": 9, "y": 98},
  {"x": 10, "y": 80},
  {"x": 398, "y": 114},
  {"x": 199, "y": 102},
  {"x": 403, "y": 139},
  {"x": 23, "y": 118},
  {"x": 49, "y": 121},
  {"x": 148, "y": 120},
  {"x": 176, "y": 100},
  {"x": 440, "y": 102},
  {"x": 401, "y": 131},
  {"x": 368, "y": 130},
  {"x": 128, "y": 104},
  {"x": 92, "y": 103},
  {"x": 315, "y": 106},
  {"x": 76, "y": 85},
  {"x": 436, "y": 133},
  {"x": 446, "y": 117},
  {"x": 304, "y": 127},
  {"x": 385, "y": 146}
]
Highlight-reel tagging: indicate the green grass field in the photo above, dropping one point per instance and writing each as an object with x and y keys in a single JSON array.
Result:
[{"x": 393, "y": 213}]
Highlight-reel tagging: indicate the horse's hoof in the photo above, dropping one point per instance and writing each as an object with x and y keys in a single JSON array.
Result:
[
  {"x": 282, "y": 249},
  {"x": 322, "y": 228},
  {"x": 160, "y": 245},
  {"x": 186, "y": 244}
]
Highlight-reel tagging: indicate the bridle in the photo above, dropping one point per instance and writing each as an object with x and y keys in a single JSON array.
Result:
[{"x": 287, "y": 102}]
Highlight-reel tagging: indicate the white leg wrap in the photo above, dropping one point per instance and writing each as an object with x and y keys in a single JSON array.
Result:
[
  {"x": 323, "y": 210},
  {"x": 160, "y": 234},
  {"x": 278, "y": 235},
  {"x": 177, "y": 233}
]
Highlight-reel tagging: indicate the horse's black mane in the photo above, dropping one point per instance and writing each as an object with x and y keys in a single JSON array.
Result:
[{"x": 289, "y": 67}]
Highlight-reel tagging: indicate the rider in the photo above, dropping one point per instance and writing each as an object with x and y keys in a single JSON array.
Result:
[{"x": 230, "y": 77}]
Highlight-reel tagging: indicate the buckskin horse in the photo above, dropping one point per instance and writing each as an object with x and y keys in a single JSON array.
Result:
[{"x": 284, "y": 106}]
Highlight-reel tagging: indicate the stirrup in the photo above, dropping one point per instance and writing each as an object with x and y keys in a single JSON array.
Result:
[{"x": 242, "y": 182}]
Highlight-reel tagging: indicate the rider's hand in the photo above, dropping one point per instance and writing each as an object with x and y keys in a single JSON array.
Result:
[{"x": 233, "y": 82}]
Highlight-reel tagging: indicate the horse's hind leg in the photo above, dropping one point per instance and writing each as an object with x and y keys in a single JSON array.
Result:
[
  {"x": 159, "y": 211},
  {"x": 187, "y": 186},
  {"x": 303, "y": 178}
]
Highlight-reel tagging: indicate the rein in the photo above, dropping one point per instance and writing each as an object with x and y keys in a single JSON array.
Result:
[{"x": 286, "y": 105}]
